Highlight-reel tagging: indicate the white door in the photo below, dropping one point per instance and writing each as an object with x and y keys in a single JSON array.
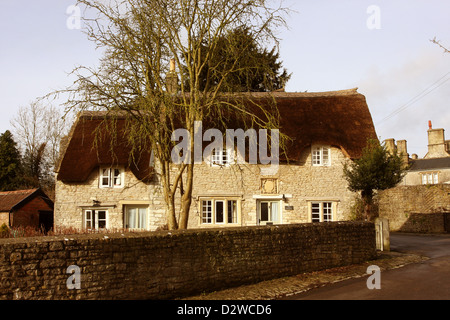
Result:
[{"x": 268, "y": 212}]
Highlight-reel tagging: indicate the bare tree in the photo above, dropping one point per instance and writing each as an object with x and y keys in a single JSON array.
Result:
[
  {"x": 39, "y": 129},
  {"x": 143, "y": 41},
  {"x": 438, "y": 42}
]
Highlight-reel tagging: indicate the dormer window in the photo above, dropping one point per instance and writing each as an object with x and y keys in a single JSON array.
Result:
[
  {"x": 321, "y": 156},
  {"x": 111, "y": 177},
  {"x": 221, "y": 158}
]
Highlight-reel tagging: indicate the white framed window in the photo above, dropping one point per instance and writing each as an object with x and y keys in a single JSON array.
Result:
[
  {"x": 95, "y": 219},
  {"x": 221, "y": 157},
  {"x": 321, "y": 156},
  {"x": 321, "y": 211},
  {"x": 135, "y": 217},
  {"x": 206, "y": 211},
  {"x": 111, "y": 177},
  {"x": 430, "y": 178},
  {"x": 219, "y": 211},
  {"x": 268, "y": 212}
]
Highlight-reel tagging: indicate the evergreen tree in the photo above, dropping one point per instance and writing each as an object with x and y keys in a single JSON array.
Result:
[
  {"x": 241, "y": 64},
  {"x": 10, "y": 163},
  {"x": 377, "y": 169}
]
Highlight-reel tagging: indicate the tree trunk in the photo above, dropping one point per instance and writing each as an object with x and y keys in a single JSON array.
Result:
[
  {"x": 186, "y": 198},
  {"x": 171, "y": 217},
  {"x": 367, "y": 197}
]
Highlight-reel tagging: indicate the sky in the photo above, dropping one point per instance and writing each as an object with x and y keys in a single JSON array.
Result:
[{"x": 383, "y": 48}]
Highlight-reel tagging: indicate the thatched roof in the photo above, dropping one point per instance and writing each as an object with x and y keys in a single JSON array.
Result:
[
  {"x": 95, "y": 140},
  {"x": 337, "y": 118}
]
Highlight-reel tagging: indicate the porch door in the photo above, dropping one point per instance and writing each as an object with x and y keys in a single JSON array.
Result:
[{"x": 268, "y": 212}]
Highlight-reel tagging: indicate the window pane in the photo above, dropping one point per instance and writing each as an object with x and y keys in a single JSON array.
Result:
[
  {"x": 131, "y": 218},
  {"x": 264, "y": 211},
  {"x": 424, "y": 179},
  {"x": 105, "y": 178},
  {"x": 142, "y": 218},
  {"x": 430, "y": 178},
  {"x": 101, "y": 217},
  {"x": 88, "y": 219},
  {"x": 219, "y": 212},
  {"x": 216, "y": 157},
  {"x": 435, "y": 178},
  {"x": 232, "y": 211},
  {"x": 327, "y": 212},
  {"x": 316, "y": 156},
  {"x": 274, "y": 206},
  {"x": 224, "y": 157},
  {"x": 207, "y": 211},
  {"x": 117, "y": 177},
  {"x": 315, "y": 212},
  {"x": 325, "y": 157}
]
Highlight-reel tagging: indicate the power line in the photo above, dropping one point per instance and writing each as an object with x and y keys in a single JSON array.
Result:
[{"x": 416, "y": 98}]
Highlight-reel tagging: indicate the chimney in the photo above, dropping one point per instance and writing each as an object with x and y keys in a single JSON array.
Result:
[
  {"x": 172, "y": 79},
  {"x": 436, "y": 143},
  {"x": 390, "y": 145},
  {"x": 402, "y": 151}
]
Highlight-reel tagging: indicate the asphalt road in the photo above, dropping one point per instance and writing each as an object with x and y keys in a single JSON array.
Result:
[{"x": 428, "y": 280}]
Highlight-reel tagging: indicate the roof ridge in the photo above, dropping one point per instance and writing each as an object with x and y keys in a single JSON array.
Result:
[{"x": 18, "y": 191}]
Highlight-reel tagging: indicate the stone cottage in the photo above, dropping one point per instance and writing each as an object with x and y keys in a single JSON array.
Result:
[{"x": 98, "y": 187}]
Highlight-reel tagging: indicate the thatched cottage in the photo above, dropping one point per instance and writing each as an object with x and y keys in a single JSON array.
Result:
[{"x": 97, "y": 188}]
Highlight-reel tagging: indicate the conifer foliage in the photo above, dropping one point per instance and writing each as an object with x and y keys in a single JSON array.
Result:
[{"x": 377, "y": 169}]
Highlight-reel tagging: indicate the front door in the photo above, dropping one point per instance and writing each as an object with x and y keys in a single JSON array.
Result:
[{"x": 268, "y": 212}]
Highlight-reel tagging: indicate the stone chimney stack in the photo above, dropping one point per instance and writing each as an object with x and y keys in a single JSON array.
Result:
[
  {"x": 390, "y": 145},
  {"x": 402, "y": 151},
  {"x": 172, "y": 78},
  {"x": 436, "y": 143}
]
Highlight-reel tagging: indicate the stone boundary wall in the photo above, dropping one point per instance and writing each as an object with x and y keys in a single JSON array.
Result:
[
  {"x": 167, "y": 265},
  {"x": 420, "y": 208}
]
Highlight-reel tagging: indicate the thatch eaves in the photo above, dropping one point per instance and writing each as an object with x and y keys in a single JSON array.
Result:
[
  {"x": 98, "y": 139},
  {"x": 336, "y": 118}
]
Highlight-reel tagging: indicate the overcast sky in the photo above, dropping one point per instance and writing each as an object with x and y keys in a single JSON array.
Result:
[{"x": 381, "y": 47}]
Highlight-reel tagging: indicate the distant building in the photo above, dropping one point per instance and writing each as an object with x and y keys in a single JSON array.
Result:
[
  {"x": 26, "y": 208},
  {"x": 420, "y": 203},
  {"x": 434, "y": 168}
]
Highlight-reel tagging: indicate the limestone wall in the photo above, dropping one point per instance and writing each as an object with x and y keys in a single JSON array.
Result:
[
  {"x": 72, "y": 199},
  {"x": 300, "y": 182},
  {"x": 166, "y": 265},
  {"x": 297, "y": 185},
  {"x": 419, "y": 208}
]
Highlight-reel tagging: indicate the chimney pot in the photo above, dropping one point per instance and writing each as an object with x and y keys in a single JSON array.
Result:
[{"x": 430, "y": 125}]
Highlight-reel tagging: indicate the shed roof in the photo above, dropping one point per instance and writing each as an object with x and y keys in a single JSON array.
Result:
[
  {"x": 338, "y": 118},
  {"x": 12, "y": 200}
]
